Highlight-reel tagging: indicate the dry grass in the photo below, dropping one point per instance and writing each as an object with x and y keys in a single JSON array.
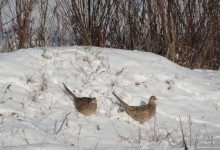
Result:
[{"x": 184, "y": 32}]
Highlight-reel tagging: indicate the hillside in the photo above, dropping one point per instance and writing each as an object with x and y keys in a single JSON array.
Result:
[{"x": 36, "y": 113}]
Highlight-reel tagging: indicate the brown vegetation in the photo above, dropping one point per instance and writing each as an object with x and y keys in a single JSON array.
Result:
[{"x": 185, "y": 31}]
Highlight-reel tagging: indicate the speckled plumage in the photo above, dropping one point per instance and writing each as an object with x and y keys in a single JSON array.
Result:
[
  {"x": 140, "y": 113},
  {"x": 85, "y": 105}
]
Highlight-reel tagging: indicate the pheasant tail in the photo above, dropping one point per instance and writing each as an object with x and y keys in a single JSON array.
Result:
[
  {"x": 122, "y": 102},
  {"x": 71, "y": 93}
]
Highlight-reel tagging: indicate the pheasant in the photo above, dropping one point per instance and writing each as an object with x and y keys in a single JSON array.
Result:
[
  {"x": 85, "y": 105},
  {"x": 140, "y": 113}
]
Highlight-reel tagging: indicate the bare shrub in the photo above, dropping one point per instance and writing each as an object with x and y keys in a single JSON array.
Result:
[
  {"x": 24, "y": 10},
  {"x": 186, "y": 32},
  {"x": 41, "y": 39},
  {"x": 192, "y": 136}
]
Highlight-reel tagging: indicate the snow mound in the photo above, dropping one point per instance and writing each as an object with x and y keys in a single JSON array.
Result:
[{"x": 36, "y": 113}]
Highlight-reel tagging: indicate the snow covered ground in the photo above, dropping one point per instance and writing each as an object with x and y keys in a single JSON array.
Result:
[{"x": 36, "y": 113}]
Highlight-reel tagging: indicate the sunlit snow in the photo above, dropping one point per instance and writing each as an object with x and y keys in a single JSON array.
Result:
[{"x": 36, "y": 113}]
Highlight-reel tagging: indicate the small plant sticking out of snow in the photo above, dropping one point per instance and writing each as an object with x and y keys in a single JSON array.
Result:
[
  {"x": 6, "y": 90},
  {"x": 155, "y": 133},
  {"x": 98, "y": 127},
  {"x": 170, "y": 83},
  {"x": 37, "y": 87},
  {"x": 2, "y": 118},
  {"x": 192, "y": 137},
  {"x": 33, "y": 95},
  {"x": 65, "y": 120},
  {"x": 29, "y": 77},
  {"x": 44, "y": 81},
  {"x": 118, "y": 74}
]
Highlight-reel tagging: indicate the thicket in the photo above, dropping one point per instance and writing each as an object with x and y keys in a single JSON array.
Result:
[{"x": 185, "y": 31}]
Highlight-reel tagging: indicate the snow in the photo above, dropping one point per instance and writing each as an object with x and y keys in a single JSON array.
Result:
[{"x": 36, "y": 113}]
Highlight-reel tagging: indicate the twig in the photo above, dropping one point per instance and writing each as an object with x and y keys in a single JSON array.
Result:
[
  {"x": 25, "y": 137},
  {"x": 80, "y": 127},
  {"x": 190, "y": 131},
  {"x": 183, "y": 136},
  {"x": 7, "y": 89},
  {"x": 63, "y": 123},
  {"x": 55, "y": 127},
  {"x": 210, "y": 139},
  {"x": 96, "y": 144}
]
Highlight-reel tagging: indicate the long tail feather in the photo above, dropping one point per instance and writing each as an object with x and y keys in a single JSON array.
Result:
[
  {"x": 71, "y": 93},
  {"x": 121, "y": 101}
]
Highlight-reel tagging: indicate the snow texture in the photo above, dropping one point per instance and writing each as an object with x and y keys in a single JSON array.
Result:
[{"x": 37, "y": 114}]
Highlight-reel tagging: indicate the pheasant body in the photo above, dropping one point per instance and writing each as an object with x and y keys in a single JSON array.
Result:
[
  {"x": 85, "y": 105},
  {"x": 140, "y": 113}
]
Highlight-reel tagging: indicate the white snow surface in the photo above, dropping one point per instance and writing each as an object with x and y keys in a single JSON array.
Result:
[{"x": 37, "y": 114}]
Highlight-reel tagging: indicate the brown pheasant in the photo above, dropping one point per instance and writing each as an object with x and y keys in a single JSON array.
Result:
[
  {"x": 85, "y": 105},
  {"x": 140, "y": 113}
]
